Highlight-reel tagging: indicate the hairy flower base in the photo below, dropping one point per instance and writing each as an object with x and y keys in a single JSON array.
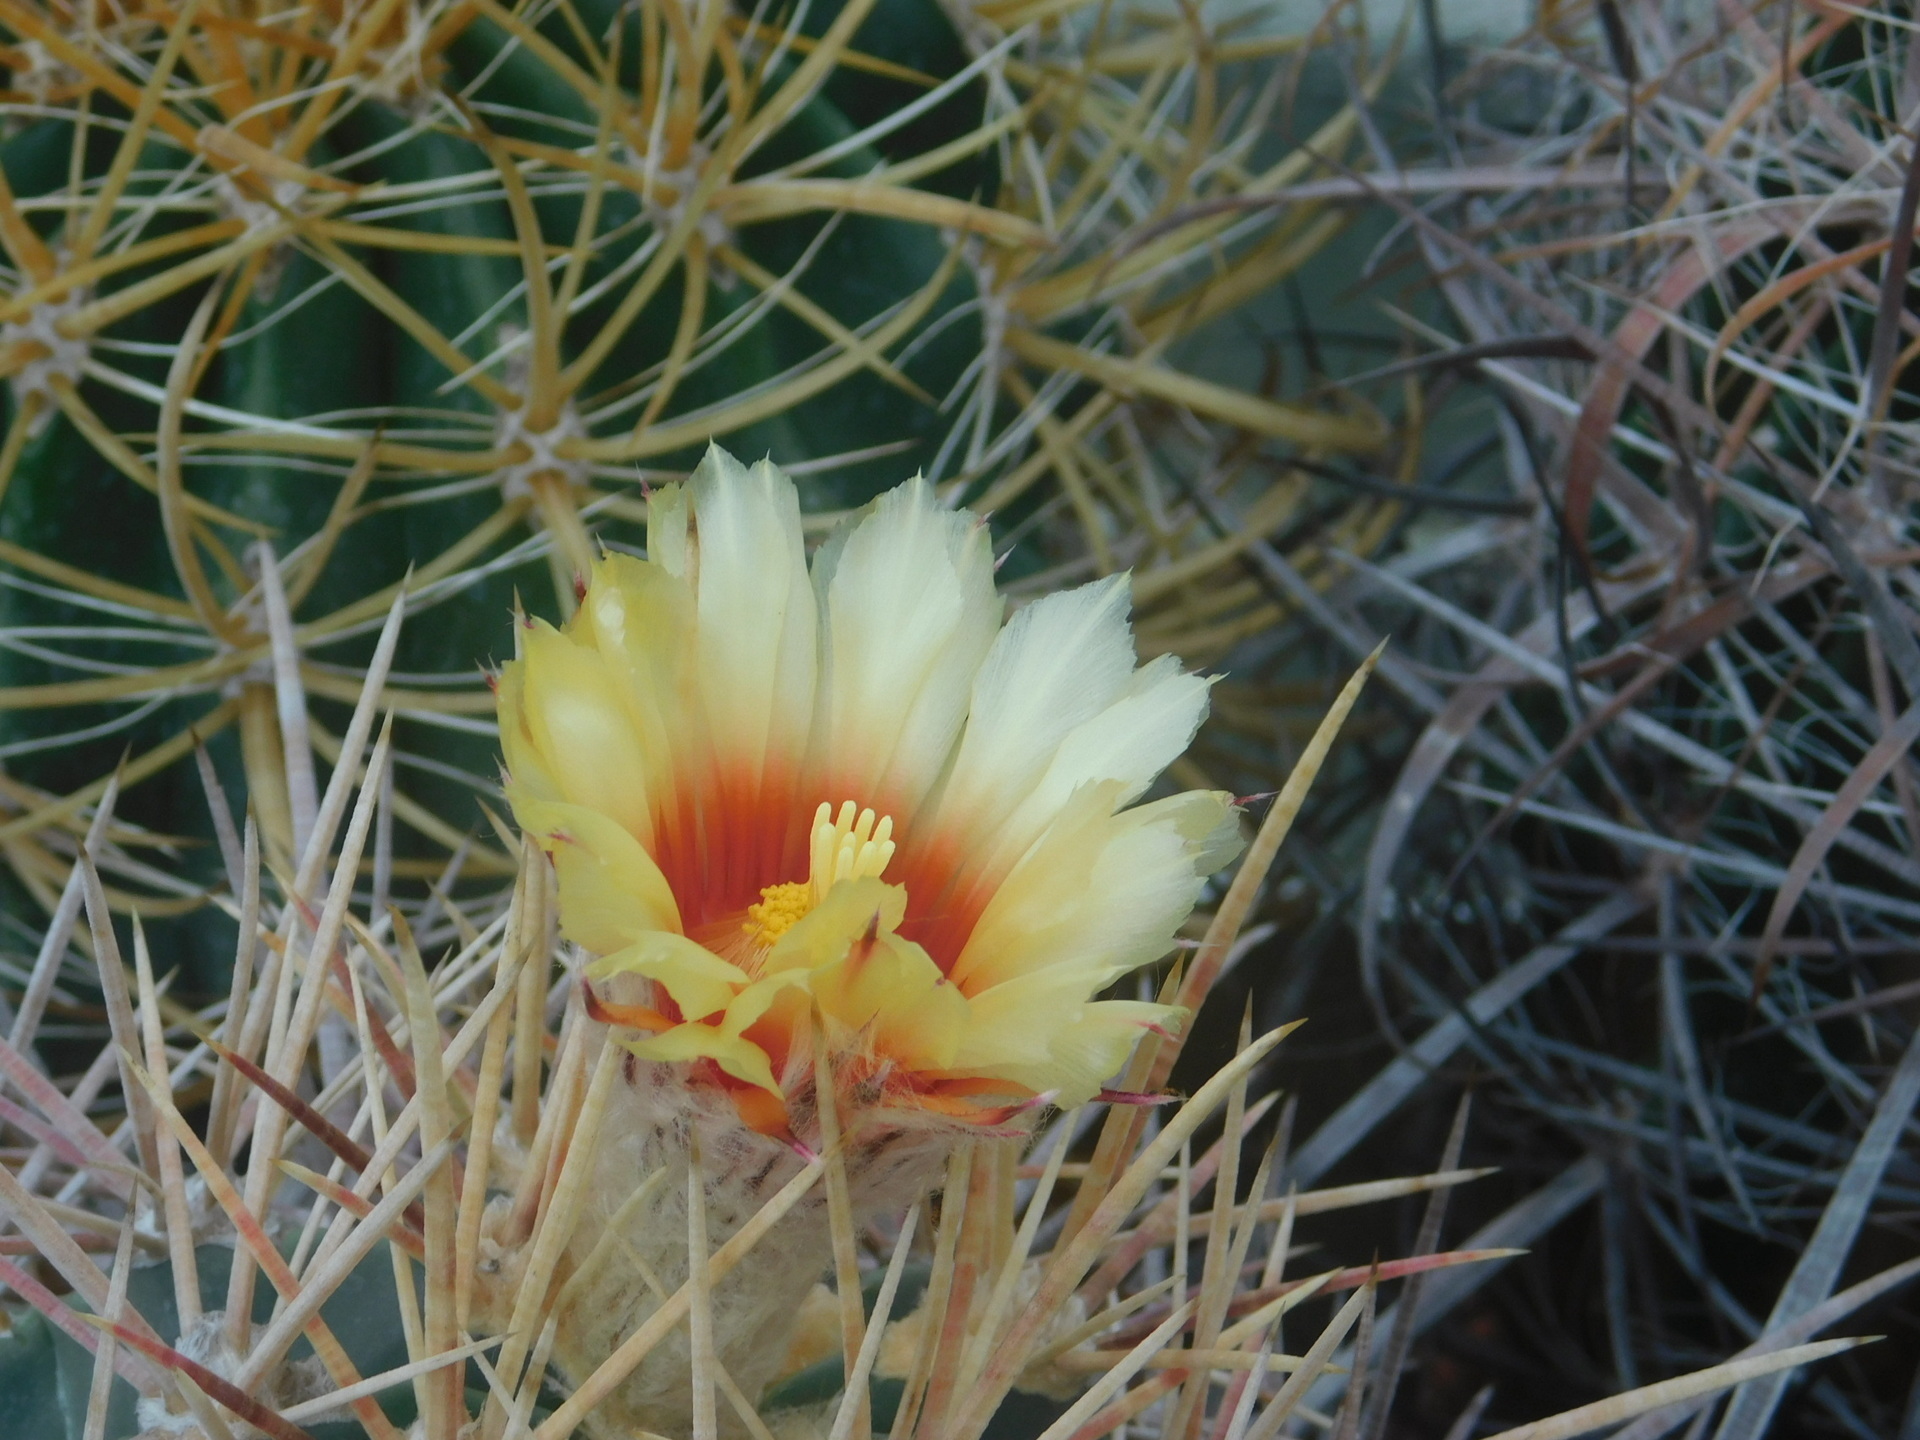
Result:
[{"x": 628, "y": 1250}]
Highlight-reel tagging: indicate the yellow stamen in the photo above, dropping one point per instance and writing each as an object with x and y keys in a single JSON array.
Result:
[
  {"x": 848, "y": 848},
  {"x": 855, "y": 845}
]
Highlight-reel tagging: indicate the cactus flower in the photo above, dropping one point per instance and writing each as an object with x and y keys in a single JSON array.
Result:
[
  {"x": 851, "y": 795},
  {"x": 844, "y": 811}
]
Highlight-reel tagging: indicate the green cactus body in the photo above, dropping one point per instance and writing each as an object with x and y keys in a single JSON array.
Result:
[
  {"x": 308, "y": 346},
  {"x": 431, "y": 288}
]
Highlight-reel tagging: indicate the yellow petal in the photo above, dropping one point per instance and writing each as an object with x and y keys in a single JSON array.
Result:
[
  {"x": 581, "y": 731},
  {"x": 740, "y": 1058},
  {"x": 1094, "y": 1047},
  {"x": 522, "y": 756},
  {"x": 700, "y": 982},
  {"x": 639, "y": 620},
  {"x": 1042, "y": 1031},
  {"x": 753, "y": 1003},
  {"x": 891, "y": 990},
  {"x": 824, "y": 934},
  {"x": 611, "y": 892}
]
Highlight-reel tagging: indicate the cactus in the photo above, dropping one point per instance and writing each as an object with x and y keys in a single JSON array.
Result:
[
  {"x": 613, "y": 1225},
  {"x": 297, "y": 301},
  {"x": 334, "y": 332}
]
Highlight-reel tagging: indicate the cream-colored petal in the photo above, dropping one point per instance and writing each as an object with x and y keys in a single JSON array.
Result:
[
  {"x": 1147, "y": 727},
  {"x": 700, "y": 982},
  {"x": 669, "y": 531},
  {"x": 1099, "y": 893},
  {"x": 1058, "y": 663},
  {"x": 611, "y": 892},
  {"x": 756, "y": 646},
  {"x": 1209, "y": 821},
  {"x": 1042, "y": 1031},
  {"x": 909, "y": 612},
  {"x": 1058, "y": 705}
]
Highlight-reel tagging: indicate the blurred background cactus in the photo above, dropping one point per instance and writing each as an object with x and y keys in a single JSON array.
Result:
[{"x": 1634, "y": 860}]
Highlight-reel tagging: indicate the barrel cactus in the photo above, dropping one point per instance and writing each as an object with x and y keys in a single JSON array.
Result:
[
  {"x": 316, "y": 320},
  {"x": 613, "y": 1169},
  {"x": 307, "y": 308},
  {"x": 351, "y": 344}
]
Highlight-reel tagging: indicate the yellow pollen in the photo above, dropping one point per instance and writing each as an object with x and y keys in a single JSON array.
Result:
[
  {"x": 779, "y": 908},
  {"x": 856, "y": 844}
]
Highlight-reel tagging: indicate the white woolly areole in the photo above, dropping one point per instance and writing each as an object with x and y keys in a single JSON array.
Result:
[
  {"x": 682, "y": 181},
  {"x": 542, "y": 451},
  {"x": 259, "y": 214},
  {"x": 41, "y": 72},
  {"x": 205, "y": 1342},
  {"x": 397, "y": 73},
  {"x": 59, "y": 356}
]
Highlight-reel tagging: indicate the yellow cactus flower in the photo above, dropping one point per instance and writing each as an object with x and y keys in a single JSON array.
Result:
[{"x": 775, "y": 793}]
